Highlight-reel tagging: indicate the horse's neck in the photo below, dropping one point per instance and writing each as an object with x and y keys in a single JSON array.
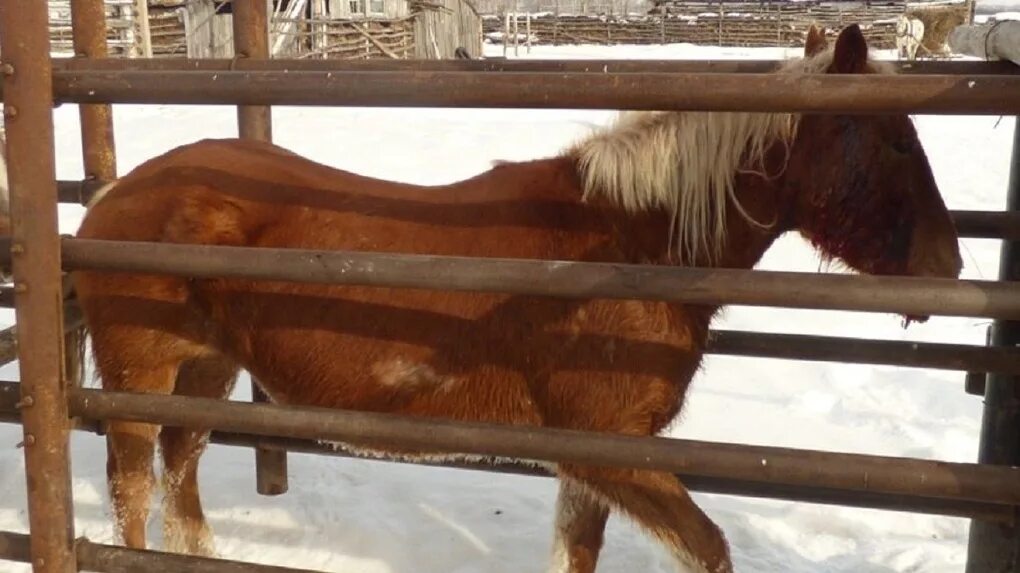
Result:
[
  {"x": 645, "y": 237},
  {"x": 747, "y": 241},
  {"x": 649, "y": 234}
]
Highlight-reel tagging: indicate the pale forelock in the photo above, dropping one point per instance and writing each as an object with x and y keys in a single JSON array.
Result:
[{"x": 686, "y": 163}]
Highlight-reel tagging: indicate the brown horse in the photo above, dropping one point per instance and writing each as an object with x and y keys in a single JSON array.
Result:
[{"x": 662, "y": 188}]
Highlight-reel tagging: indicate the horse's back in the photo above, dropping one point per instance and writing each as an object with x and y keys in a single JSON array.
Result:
[{"x": 238, "y": 192}]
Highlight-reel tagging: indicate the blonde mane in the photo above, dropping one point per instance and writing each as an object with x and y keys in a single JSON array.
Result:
[{"x": 686, "y": 162}]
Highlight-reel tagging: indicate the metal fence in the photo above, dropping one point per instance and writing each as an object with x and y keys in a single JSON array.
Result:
[{"x": 45, "y": 405}]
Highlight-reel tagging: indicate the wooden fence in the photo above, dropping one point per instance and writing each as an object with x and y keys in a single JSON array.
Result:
[
  {"x": 726, "y": 31},
  {"x": 121, "y": 32},
  {"x": 751, "y": 24},
  {"x": 351, "y": 39}
]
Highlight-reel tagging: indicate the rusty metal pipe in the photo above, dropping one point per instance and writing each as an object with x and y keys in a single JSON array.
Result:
[
  {"x": 969, "y": 224},
  {"x": 965, "y": 357},
  {"x": 993, "y": 512},
  {"x": 987, "y": 224},
  {"x": 727, "y": 486},
  {"x": 114, "y": 559},
  {"x": 251, "y": 42},
  {"x": 905, "y": 353},
  {"x": 900, "y": 295},
  {"x": 28, "y": 101},
  {"x": 831, "y": 93},
  {"x": 706, "y": 484},
  {"x": 88, "y": 25},
  {"x": 791, "y": 467},
  {"x": 598, "y": 66}
]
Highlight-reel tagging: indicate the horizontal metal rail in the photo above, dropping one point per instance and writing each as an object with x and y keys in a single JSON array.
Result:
[
  {"x": 986, "y": 94},
  {"x": 987, "y": 224},
  {"x": 9, "y": 397},
  {"x": 786, "y": 466},
  {"x": 501, "y": 65},
  {"x": 969, "y": 224},
  {"x": 967, "y": 357},
  {"x": 9, "y": 336},
  {"x": 113, "y": 559},
  {"x": 828, "y": 93},
  {"x": 1005, "y": 514},
  {"x": 706, "y": 286}
]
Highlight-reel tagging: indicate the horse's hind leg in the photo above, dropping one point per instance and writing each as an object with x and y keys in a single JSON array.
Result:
[
  {"x": 580, "y": 523},
  {"x": 659, "y": 503},
  {"x": 184, "y": 526},
  {"x": 128, "y": 361}
]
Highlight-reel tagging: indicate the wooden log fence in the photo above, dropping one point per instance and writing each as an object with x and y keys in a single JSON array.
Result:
[
  {"x": 758, "y": 24},
  {"x": 770, "y": 31},
  {"x": 120, "y": 28},
  {"x": 350, "y": 39}
]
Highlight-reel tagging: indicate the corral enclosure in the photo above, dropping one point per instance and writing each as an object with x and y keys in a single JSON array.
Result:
[{"x": 784, "y": 394}]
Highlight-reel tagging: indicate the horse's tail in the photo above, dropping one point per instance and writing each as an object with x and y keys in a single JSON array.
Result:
[
  {"x": 74, "y": 353},
  {"x": 75, "y": 335}
]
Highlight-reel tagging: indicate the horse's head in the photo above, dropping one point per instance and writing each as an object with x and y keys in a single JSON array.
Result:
[{"x": 864, "y": 191}]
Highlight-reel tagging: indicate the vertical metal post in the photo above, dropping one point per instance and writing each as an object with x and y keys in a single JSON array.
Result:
[
  {"x": 88, "y": 22},
  {"x": 995, "y": 548},
  {"x": 99, "y": 156},
  {"x": 35, "y": 250},
  {"x": 251, "y": 40}
]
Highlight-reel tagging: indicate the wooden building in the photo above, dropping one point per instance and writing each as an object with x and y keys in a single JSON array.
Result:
[{"x": 428, "y": 29}]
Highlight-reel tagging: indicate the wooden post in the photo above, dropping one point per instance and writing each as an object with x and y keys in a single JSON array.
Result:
[
  {"x": 527, "y": 30},
  {"x": 35, "y": 251},
  {"x": 999, "y": 41},
  {"x": 142, "y": 12},
  {"x": 721, "y": 11},
  {"x": 995, "y": 547},
  {"x": 665, "y": 14},
  {"x": 251, "y": 40},
  {"x": 517, "y": 29},
  {"x": 318, "y": 27}
]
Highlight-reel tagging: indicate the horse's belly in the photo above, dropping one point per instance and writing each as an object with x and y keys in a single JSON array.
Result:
[{"x": 463, "y": 356}]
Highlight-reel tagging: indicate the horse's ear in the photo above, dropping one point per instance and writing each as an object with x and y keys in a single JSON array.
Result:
[
  {"x": 851, "y": 53},
  {"x": 815, "y": 43}
]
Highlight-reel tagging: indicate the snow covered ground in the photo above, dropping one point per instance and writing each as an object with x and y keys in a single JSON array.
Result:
[{"x": 374, "y": 517}]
